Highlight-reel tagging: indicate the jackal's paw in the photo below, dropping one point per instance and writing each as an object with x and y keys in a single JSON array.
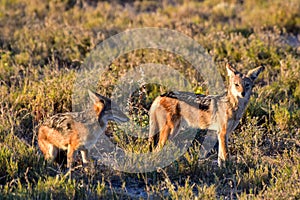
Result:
[
  {"x": 221, "y": 163},
  {"x": 157, "y": 149},
  {"x": 224, "y": 163},
  {"x": 89, "y": 166},
  {"x": 67, "y": 172},
  {"x": 215, "y": 163},
  {"x": 94, "y": 158},
  {"x": 86, "y": 164}
]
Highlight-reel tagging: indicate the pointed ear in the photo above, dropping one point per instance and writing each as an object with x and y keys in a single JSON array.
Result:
[
  {"x": 231, "y": 71},
  {"x": 93, "y": 96},
  {"x": 98, "y": 102},
  {"x": 253, "y": 73}
]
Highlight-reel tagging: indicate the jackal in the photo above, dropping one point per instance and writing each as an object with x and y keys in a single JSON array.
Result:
[
  {"x": 218, "y": 112},
  {"x": 76, "y": 130}
]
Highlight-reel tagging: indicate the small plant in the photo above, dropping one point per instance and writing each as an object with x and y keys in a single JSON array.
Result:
[
  {"x": 44, "y": 43},
  {"x": 282, "y": 116}
]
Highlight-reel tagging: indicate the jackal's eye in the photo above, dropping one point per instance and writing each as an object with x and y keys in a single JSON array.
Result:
[
  {"x": 236, "y": 85},
  {"x": 247, "y": 85}
]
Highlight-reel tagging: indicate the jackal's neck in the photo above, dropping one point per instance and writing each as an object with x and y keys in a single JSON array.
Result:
[
  {"x": 232, "y": 100},
  {"x": 92, "y": 121},
  {"x": 235, "y": 103},
  {"x": 103, "y": 124}
]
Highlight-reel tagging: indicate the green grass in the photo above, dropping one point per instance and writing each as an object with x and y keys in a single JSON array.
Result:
[{"x": 43, "y": 44}]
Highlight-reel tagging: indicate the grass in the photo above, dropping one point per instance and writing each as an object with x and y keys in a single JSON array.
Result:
[{"x": 43, "y": 44}]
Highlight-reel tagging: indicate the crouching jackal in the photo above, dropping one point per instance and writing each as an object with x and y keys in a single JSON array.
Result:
[
  {"x": 219, "y": 112},
  {"x": 72, "y": 131}
]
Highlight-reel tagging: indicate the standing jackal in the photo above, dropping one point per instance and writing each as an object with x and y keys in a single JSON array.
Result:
[
  {"x": 71, "y": 132},
  {"x": 218, "y": 112}
]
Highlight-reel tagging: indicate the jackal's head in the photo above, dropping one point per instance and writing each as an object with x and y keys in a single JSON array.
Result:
[
  {"x": 106, "y": 109},
  {"x": 240, "y": 85}
]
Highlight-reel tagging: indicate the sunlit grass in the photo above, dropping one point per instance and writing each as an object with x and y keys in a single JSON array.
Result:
[{"x": 44, "y": 43}]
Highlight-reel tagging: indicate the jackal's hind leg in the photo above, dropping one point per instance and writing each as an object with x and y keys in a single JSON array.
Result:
[
  {"x": 163, "y": 137},
  {"x": 153, "y": 129},
  {"x": 49, "y": 150},
  {"x": 175, "y": 130},
  {"x": 170, "y": 129},
  {"x": 156, "y": 124}
]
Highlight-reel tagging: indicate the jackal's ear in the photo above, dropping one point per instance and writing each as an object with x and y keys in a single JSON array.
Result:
[
  {"x": 95, "y": 97},
  {"x": 231, "y": 71},
  {"x": 253, "y": 73},
  {"x": 98, "y": 101}
]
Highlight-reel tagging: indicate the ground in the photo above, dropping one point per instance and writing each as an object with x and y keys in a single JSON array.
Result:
[{"x": 44, "y": 43}]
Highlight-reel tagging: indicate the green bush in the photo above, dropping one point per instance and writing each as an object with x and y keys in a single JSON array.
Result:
[{"x": 44, "y": 43}]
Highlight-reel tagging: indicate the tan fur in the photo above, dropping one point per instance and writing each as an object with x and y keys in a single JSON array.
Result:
[
  {"x": 218, "y": 112},
  {"x": 67, "y": 132}
]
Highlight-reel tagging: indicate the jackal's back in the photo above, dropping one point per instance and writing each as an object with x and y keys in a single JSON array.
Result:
[
  {"x": 63, "y": 129},
  {"x": 63, "y": 122},
  {"x": 199, "y": 101}
]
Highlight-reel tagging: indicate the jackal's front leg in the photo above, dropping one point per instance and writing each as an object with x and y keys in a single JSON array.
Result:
[
  {"x": 85, "y": 157},
  {"x": 223, "y": 150}
]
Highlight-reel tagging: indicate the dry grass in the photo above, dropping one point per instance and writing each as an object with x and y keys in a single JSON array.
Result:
[{"x": 43, "y": 43}]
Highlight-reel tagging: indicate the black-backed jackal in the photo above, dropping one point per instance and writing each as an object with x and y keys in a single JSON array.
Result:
[
  {"x": 218, "y": 112},
  {"x": 72, "y": 131}
]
